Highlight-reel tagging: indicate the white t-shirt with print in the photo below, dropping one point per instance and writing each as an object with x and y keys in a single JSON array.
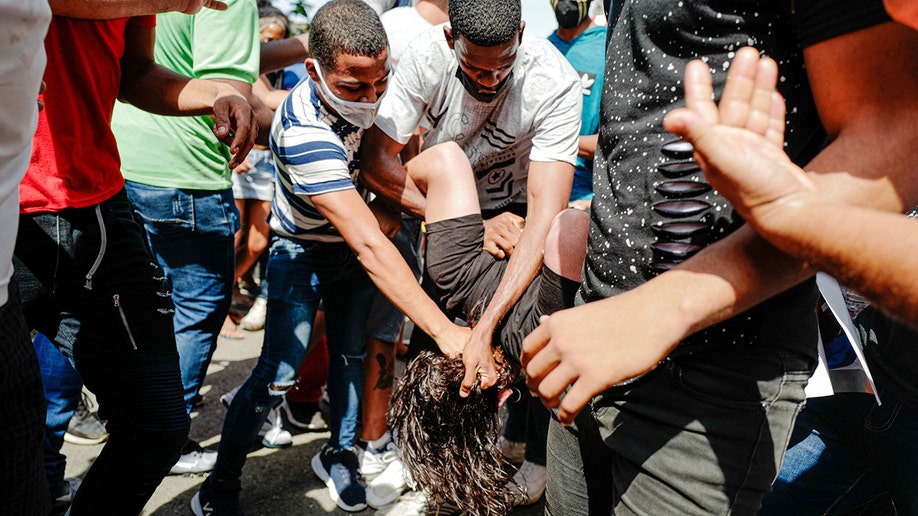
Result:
[{"x": 535, "y": 118}]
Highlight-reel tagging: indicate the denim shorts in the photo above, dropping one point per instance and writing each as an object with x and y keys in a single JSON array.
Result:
[{"x": 257, "y": 183}]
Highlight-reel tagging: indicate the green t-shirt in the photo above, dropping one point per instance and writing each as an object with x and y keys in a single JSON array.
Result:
[{"x": 183, "y": 152}]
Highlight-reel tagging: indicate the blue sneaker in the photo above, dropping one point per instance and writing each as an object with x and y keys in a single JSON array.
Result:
[{"x": 339, "y": 470}]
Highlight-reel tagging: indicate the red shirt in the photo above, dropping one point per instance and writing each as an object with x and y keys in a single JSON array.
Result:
[{"x": 74, "y": 156}]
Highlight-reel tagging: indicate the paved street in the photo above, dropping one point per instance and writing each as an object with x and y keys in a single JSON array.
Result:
[{"x": 276, "y": 482}]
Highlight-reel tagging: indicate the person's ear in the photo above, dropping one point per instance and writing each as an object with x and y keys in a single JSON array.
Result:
[
  {"x": 311, "y": 69},
  {"x": 448, "y": 32},
  {"x": 522, "y": 27}
]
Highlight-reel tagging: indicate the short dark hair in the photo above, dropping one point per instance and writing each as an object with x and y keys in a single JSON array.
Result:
[
  {"x": 345, "y": 27},
  {"x": 486, "y": 23}
]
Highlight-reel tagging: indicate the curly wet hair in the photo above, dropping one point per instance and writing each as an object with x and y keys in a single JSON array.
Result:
[{"x": 449, "y": 443}]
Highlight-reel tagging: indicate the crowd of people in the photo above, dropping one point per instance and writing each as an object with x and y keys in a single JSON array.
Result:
[{"x": 612, "y": 232}]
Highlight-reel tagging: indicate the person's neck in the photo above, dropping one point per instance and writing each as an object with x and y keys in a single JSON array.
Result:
[
  {"x": 432, "y": 12},
  {"x": 573, "y": 32}
]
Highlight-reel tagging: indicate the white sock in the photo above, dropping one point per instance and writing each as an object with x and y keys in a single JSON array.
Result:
[{"x": 379, "y": 444}]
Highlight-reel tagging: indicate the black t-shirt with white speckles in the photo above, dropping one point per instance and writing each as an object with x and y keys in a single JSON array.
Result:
[{"x": 648, "y": 48}]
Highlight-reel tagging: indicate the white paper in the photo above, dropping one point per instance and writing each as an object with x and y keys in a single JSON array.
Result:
[{"x": 832, "y": 293}]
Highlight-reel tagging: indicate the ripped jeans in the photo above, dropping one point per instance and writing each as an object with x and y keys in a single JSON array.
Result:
[{"x": 301, "y": 274}]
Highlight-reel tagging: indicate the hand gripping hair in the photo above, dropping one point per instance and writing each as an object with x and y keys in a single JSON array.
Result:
[{"x": 449, "y": 443}]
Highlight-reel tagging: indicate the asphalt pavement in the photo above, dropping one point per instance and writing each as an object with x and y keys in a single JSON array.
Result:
[{"x": 275, "y": 482}]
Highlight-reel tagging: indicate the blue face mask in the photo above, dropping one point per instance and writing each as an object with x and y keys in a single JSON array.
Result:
[{"x": 361, "y": 114}]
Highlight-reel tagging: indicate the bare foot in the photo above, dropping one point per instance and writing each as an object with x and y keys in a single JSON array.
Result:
[{"x": 229, "y": 330}]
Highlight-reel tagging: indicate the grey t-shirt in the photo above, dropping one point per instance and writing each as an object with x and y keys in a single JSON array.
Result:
[{"x": 536, "y": 118}]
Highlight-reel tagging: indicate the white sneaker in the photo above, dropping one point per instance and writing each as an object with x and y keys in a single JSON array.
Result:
[
  {"x": 194, "y": 459},
  {"x": 530, "y": 483},
  {"x": 412, "y": 503},
  {"x": 514, "y": 452},
  {"x": 272, "y": 432},
  {"x": 254, "y": 320},
  {"x": 374, "y": 461},
  {"x": 387, "y": 486}
]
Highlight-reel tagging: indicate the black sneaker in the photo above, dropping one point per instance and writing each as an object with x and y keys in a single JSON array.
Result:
[
  {"x": 85, "y": 427},
  {"x": 216, "y": 501},
  {"x": 338, "y": 469}
]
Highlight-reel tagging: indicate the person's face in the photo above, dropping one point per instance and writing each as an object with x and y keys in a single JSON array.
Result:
[
  {"x": 486, "y": 66},
  {"x": 355, "y": 78},
  {"x": 273, "y": 32}
]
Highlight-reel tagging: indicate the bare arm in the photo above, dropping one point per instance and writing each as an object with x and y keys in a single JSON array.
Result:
[
  {"x": 587, "y": 146},
  {"x": 388, "y": 270},
  {"x": 872, "y": 120},
  {"x": 281, "y": 54},
  {"x": 269, "y": 96},
  {"x": 110, "y": 9},
  {"x": 381, "y": 172},
  {"x": 548, "y": 189},
  {"x": 159, "y": 90}
]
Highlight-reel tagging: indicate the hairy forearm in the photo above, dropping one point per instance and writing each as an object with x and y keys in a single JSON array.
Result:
[
  {"x": 523, "y": 267},
  {"x": 281, "y": 54},
  {"x": 866, "y": 250},
  {"x": 110, "y": 9},
  {"x": 158, "y": 90},
  {"x": 391, "y": 274}
]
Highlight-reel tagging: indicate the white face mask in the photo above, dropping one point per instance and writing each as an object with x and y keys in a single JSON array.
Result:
[{"x": 360, "y": 114}]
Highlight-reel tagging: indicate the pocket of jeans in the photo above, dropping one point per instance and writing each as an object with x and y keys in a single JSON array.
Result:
[
  {"x": 720, "y": 387},
  {"x": 164, "y": 212},
  {"x": 882, "y": 417},
  {"x": 215, "y": 213}
]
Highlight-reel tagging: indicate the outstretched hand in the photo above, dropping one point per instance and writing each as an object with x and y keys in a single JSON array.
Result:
[{"x": 739, "y": 143}]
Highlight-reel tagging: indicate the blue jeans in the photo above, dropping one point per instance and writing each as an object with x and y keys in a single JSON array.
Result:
[
  {"x": 89, "y": 283},
  {"x": 62, "y": 386},
  {"x": 846, "y": 451},
  {"x": 301, "y": 273},
  {"x": 190, "y": 233},
  {"x": 700, "y": 434}
]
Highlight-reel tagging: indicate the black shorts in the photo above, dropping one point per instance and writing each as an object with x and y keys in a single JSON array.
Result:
[{"x": 465, "y": 277}]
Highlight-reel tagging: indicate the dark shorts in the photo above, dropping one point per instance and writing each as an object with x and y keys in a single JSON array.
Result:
[{"x": 465, "y": 277}]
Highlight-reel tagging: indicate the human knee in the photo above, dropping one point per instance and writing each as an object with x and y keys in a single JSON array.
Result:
[{"x": 443, "y": 161}]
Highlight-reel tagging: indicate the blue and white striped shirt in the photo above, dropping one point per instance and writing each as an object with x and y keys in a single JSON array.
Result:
[{"x": 315, "y": 152}]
